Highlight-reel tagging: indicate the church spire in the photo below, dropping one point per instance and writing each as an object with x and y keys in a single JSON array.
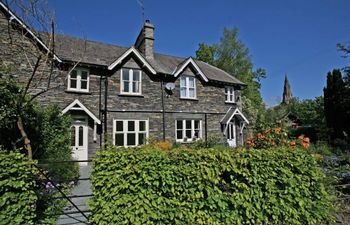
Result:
[{"x": 287, "y": 92}]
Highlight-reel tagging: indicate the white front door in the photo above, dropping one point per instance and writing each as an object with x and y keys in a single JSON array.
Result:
[
  {"x": 231, "y": 134},
  {"x": 80, "y": 139}
]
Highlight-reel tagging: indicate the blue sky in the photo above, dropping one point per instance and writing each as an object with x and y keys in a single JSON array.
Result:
[{"x": 293, "y": 37}]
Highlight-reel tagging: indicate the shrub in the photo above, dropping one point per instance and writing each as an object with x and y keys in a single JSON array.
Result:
[
  {"x": 17, "y": 189},
  {"x": 207, "y": 186},
  {"x": 213, "y": 140},
  {"x": 163, "y": 145},
  {"x": 276, "y": 137},
  {"x": 55, "y": 139}
]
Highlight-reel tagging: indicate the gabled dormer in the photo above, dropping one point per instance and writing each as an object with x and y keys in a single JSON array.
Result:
[{"x": 188, "y": 71}]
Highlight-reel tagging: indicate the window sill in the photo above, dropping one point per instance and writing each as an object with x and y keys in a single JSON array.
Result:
[
  {"x": 131, "y": 95},
  {"x": 188, "y": 141},
  {"x": 78, "y": 92},
  {"x": 190, "y": 99}
]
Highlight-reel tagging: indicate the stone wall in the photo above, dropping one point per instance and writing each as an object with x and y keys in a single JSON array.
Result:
[
  {"x": 19, "y": 54},
  {"x": 14, "y": 52}
]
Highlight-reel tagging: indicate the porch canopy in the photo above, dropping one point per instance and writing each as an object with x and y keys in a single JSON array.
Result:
[{"x": 233, "y": 112}]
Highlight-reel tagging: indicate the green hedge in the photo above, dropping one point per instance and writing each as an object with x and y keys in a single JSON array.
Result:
[
  {"x": 17, "y": 189},
  {"x": 208, "y": 186}
]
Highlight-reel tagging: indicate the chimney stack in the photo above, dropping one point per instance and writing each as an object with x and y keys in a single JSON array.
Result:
[{"x": 145, "y": 41}]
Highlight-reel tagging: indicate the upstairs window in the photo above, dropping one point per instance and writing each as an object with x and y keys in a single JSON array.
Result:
[
  {"x": 188, "y": 130},
  {"x": 229, "y": 94},
  {"x": 188, "y": 87},
  {"x": 78, "y": 80},
  {"x": 130, "y": 132},
  {"x": 131, "y": 82}
]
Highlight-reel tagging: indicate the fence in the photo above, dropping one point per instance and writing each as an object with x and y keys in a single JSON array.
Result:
[{"x": 73, "y": 210}]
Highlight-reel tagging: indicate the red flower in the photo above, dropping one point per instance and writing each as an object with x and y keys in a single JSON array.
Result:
[
  {"x": 260, "y": 136},
  {"x": 307, "y": 140}
]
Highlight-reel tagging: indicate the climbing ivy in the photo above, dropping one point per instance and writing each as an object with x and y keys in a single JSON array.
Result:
[{"x": 207, "y": 186}]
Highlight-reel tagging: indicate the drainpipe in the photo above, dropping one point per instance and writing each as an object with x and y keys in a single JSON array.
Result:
[
  {"x": 206, "y": 129},
  {"x": 100, "y": 107},
  {"x": 163, "y": 109},
  {"x": 105, "y": 111}
]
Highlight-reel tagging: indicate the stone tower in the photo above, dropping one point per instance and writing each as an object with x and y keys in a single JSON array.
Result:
[{"x": 287, "y": 92}]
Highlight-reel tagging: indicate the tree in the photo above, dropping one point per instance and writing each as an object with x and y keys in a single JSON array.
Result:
[
  {"x": 309, "y": 111},
  {"x": 345, "y": 49},
  {"x": 336, "y": 105},
  {"x": 232, "y": 56},
  {"x": 32, "y": 40},
  {"x": 39, "y": 62},
  {"x": 48, "y": 130}
]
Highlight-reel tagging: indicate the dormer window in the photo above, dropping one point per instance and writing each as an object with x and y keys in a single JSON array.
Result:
[
  {"x": 187, "y": 87},
  {"x": 229, "y": 94},
  {"x": 78, "y": 80},
  {"x": 130, "y": 82}
]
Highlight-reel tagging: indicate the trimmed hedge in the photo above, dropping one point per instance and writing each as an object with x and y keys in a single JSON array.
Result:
[
  {"x": 208, "y": 186},
  {"x": 17, "y": 189}
]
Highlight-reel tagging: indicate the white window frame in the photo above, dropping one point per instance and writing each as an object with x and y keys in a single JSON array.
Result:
[
  {"x": 130, "y": 81},
  {"x": 185, "y": 139},
  {"x": 78, "y": 79},
  {"x": 187, "y": 87},
  {"x": 125, "y": 131},
  {"x": 229, "y": 94}
]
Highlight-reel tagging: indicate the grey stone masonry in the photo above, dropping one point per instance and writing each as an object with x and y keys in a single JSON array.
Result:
[{"x": 19, "y": 52}]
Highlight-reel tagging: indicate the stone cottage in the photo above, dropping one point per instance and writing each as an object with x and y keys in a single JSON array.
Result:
[{"x": 130, "y": 93}]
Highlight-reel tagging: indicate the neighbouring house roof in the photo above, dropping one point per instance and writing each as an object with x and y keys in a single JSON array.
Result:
[{"x": 96, "y": 53}]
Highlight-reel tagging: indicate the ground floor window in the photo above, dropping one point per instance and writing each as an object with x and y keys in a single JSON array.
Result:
[
  {"x": 188, "y": 130},
  {"x": 130, "y": 132}
]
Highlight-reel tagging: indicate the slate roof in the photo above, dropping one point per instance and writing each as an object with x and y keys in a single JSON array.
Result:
[
  {"x": 74, "y": 49},
  {"x": 91, "y": 52}
]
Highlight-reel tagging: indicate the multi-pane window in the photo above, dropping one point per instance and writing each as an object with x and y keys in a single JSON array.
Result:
[
  {"x": 229, "y": 94},
  {"x": 131, "y": 81},
  {"x": 78, "y": 80},
  {"x": 130, "y": 132},
  {"x": 187, "y": 87},
  {"x": 188, "y": 130}
]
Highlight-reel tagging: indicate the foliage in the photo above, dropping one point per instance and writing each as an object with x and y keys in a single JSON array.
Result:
[
  {"x": 276, "y": 137},
  {"x": 207, "y": 186},
  {"x": 47, "y": 129},
  {"x": 54, "y": 145},
  {"x": 17, "y": 189},
  {"x": 163, "y": 145},
  {"x": 213, "y": 140},
  {"x": 232, "y": 56},
  {"x": 345, "y": 49},
  {"x": 49, "y": 205},
  {"x": 309, "y": 111},
  {"x": 10, "y": 93},
  {"x": 49, "y": 133},
  {"x": 337, "y": 106},
  {"x": 320, "y": 148}
]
